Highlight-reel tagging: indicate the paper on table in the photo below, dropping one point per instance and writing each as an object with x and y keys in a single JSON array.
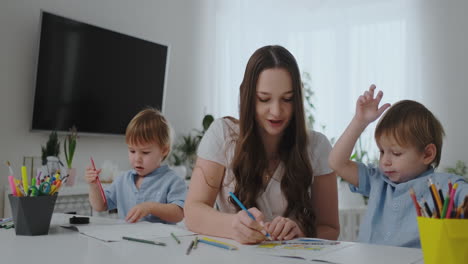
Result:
[
  {"x": 298, "y": 248},
  {"x": 144, "y": 230},
  {"x": 376, "y": 253}
]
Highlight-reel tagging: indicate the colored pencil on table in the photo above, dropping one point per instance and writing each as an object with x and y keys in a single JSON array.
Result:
[
  {"x": 175, "y": 238},
  {"x": 189, "y": 249},
  {"x": 144, "y": 241},
  {"x": 217, "y": 243},
  {"x": 195, "y": 243}
]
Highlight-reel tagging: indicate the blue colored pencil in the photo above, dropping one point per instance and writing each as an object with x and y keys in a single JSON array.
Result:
[{"x": 212, "y": 243}]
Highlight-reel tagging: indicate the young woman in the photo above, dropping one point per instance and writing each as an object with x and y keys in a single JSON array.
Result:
[{"x": 268, "y": 159}]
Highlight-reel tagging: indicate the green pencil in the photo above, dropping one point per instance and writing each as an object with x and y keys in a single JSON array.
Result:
[
  {"x": 195, "y": 243},
  {"x": 144, "y": 241},
  {"x": 176, "y": 239}
]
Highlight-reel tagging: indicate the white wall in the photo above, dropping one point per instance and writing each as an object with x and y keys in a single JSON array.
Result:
[
  {"x": 438, "y": 61},
  {"x": 182, "y": 24},
  {"x": 444, "y": 42}
]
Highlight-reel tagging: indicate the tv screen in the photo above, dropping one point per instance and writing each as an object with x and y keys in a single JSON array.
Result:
[{"x": 93, "y": 78}]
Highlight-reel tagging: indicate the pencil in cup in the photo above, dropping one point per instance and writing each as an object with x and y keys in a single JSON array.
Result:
[{"x": 233, "y": 196}]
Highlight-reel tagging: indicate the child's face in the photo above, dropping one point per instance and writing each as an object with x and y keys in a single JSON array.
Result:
[
  {"x": 145, "y": 158},
  {"x": 398, "y": 163}
]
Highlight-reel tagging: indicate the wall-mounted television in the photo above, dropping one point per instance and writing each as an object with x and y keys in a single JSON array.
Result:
[{"x": 93, "y": 78}]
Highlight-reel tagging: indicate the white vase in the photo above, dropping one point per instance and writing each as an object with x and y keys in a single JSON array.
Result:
[
  {"x": 180, "y": 170},
  {"x": 71, "y": 172},
  {"x": 52, "y": 165}
]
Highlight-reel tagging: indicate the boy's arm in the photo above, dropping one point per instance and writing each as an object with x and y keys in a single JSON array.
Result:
[
  {"x": 95, "y": 198},
  {"x": 339, "y": 156},
  {"x": 168, "y": 212},
  {"x": 367, "y": 111}
]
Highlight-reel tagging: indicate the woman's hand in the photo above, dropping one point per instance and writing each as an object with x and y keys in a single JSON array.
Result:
[
  {"x": 138, "y": 211},
  {"x": 91, "y": 174},
  {"x": 283, "y": 228},
  {"x": 247, "y": 230}
]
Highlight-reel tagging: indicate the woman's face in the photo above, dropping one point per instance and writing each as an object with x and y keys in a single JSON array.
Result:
[{"x": 274, "y": 101}]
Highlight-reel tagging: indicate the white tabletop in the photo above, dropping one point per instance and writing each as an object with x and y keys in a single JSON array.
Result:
[{"x": 66, "y": 246}]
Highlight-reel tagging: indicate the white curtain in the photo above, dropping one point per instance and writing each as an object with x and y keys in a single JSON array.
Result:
[{"x": 344, "y": 45}]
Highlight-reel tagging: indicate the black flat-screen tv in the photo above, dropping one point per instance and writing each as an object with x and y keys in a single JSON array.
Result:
[{"x": 93, "y": 78}]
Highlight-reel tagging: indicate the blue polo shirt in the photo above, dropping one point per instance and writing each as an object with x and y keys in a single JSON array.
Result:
[
  {"x": 162, "y": 185},
  {"x": 391, "y": 217}
]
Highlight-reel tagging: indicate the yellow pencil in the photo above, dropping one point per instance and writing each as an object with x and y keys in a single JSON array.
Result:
[{"x": 219, "y": 242}]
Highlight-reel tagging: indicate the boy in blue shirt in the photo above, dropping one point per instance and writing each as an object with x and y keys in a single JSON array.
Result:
[
  {"x": 409, "y": 138},
  {"x": 150, "y": 191}
]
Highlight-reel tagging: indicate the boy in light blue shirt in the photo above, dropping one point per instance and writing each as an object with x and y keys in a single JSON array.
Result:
[
  {"x": 150, "y": 191},
  {"x": 409, "y": 138}
]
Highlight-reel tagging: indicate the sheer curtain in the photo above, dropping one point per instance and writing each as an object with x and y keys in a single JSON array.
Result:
[{"x": 344, "y": 45}]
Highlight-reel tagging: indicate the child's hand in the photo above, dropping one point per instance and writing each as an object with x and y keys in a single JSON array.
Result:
[
  {"x": 367, "y": 107},
  {"x": 91, "y": 174},
  {"x": 138, "y": 211},
  {"x": 247, "y": 230},
  {"x": 282, "y": 228}
]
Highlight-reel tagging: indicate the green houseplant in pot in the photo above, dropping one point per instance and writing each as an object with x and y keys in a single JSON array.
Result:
[
  {"x": 69, "y": 147},
  {"x": 184, "y": 152}
]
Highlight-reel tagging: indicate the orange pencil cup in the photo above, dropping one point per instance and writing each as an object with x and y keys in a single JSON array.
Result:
[{"x": 444, "y": 240}]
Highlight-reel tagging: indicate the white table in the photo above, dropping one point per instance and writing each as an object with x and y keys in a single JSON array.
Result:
[{"x": 66, "y": 246}]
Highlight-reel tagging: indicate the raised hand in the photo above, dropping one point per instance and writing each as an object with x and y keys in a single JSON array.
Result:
[
  {"x": 283, "y": 228},
  {"x": 247, "y": 230},
  {"x": 367, "y": 106}
]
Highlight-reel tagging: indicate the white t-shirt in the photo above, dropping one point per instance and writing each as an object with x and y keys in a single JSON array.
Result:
[{"x": 218, "y": 145}]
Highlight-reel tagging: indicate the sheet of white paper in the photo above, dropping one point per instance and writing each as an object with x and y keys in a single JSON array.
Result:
[
  {"x": 374, "y": 254},
  {"x": 298, "y": 249},
  {"x": 143, "y": 230}
]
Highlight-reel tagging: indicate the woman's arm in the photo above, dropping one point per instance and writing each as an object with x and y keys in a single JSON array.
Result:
[
  {"x": 201, "y": 217},
  {"x": 325, "y": 199},
  {"x": 204, "y": 186}
]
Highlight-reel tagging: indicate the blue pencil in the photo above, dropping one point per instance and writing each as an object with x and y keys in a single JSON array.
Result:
[
  {"x": 216, "y": 244},
  {"x": 245, "y": 209}
]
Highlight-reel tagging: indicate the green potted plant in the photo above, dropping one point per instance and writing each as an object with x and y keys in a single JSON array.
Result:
[
  {"x": 69, "y": 147},
  {"x": 459, "y": 169},
  {"x": 50, "y": 153},
  {"x": 184, "y": 152}
]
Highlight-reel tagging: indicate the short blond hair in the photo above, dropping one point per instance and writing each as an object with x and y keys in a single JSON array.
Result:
[
  {"x": 411, "y": 124},
  {"x": 149, "y": 126}
]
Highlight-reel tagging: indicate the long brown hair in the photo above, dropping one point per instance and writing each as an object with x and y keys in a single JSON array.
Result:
[{"x": 250, "y": 159}]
